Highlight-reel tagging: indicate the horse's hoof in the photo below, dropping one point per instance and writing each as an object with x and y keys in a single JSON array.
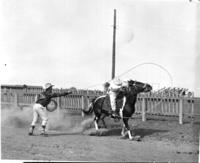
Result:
[
  {"x": 131, "y": 139},
  {"x": 136, "y": 138}
]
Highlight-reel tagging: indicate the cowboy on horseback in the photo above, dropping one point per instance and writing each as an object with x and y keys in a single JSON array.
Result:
[
  {"x": 112, "y": 89},
  {"x": 126, "y": 91}
]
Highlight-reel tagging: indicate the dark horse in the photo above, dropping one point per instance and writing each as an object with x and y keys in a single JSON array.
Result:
[{"x": 130, "y": 92}]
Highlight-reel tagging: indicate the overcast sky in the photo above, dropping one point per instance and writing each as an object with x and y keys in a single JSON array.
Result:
[{"x": 69, "y": 42}]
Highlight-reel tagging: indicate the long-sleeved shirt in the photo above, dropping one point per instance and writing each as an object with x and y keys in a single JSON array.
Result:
[
  {"x": 44, "y": 98},
  {"x": 114, "y": 87}
]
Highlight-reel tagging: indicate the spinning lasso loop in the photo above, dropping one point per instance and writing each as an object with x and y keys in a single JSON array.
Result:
[
  {"x": 136, "y": 66},
  {"x": 149, "y": 63}
]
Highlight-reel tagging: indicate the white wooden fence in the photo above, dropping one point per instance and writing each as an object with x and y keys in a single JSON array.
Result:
[
  {"x": 146, "y": 103},
  {"x": 165, "y": 106}
]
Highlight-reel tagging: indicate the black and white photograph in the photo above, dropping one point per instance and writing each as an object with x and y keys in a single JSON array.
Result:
[{"x": 100, "y": 80}]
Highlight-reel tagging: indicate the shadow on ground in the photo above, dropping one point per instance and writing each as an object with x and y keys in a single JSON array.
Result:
[
  {"x": 61, "y": 134},
  {"x": 140, "y": 131},
  {"x": 111, "y": 132}
]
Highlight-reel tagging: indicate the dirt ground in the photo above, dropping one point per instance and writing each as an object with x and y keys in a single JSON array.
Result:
[{"x": 71, "y": 139}]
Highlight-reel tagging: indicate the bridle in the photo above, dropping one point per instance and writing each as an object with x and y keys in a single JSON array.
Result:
[
  {"x": 144, "y": 85},
  {"x": 136, "y": 86}
]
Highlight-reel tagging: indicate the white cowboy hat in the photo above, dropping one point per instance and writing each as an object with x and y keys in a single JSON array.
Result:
[
  {"x": 117, "y": 82},
  {"x": 48, "y": 85},
  {"x": 125, "y": 83}
]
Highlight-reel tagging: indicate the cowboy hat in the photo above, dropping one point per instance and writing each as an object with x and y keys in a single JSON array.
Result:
[
  {"x": 117, "y": 82},
  {"x": 48, "y": 85}
]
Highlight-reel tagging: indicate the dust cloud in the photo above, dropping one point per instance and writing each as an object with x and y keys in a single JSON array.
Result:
[
  {"x": 59, "y": 121},
  {"x": 62, "y": 121},
  {"x": 14, "y": 117}
]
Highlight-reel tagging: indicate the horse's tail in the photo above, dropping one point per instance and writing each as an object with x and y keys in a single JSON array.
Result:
[{"x": 90, "y": 108}]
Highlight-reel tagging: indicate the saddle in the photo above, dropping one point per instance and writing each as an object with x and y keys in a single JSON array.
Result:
[{"x": 107, "y": 106}]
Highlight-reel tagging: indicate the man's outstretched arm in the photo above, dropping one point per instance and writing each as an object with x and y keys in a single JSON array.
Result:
[{"x": 60, "y": 94}]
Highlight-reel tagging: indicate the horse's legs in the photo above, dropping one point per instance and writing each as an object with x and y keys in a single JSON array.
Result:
[
  {"x": 96, "y": 119},
  {"x": 129, "y": 135},
  {"x": 125, "y": 120},
  {"x": 104, "y": 124},
  {"x": 123, "y": 130}
]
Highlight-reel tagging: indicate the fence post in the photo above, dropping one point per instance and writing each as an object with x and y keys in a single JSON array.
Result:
[
  {"x": 192, "y": 111},
  {"x": 162, "y": 105},
  {"x": 88, "y": 101},
  {"x": 82, "y": 105},
  {"x": 15, "y": 104},
  {"x": 59, "y": 105},
  {"x": 36, "y": 97},
  {"x": 180, "y": 110},
  {"x": 143, "y": 109}
]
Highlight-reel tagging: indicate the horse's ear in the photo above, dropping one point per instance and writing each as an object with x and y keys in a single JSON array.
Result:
[{"x": 130, "y": 82}]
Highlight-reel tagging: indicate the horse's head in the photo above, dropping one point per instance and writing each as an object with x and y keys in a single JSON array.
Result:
[{"x": 139, "y": 87}]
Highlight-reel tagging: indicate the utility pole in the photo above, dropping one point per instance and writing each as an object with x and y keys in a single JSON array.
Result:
[{"x": 113, "y": 48}]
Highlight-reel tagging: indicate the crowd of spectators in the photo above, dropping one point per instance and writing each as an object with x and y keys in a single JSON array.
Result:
[{"x": 173, "y": 91}]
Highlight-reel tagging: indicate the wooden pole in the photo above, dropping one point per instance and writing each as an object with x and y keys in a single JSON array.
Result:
[{"x": 113, "y": 49}]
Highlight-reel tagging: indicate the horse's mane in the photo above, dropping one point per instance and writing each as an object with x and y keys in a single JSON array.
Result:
[
  {"x": 131, "y": 83},
  {"x": 128, "y": 90}
]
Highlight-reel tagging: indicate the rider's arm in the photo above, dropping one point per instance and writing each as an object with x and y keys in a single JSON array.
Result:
[{"x": 59, "y": 94}]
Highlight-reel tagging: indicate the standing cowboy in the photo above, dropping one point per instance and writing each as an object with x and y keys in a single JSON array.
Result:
[{"x": 39, "y": 108}]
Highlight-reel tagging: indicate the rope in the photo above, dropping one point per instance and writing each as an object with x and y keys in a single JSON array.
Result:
[
  {"x": 136, "y": 66},
  {"x": 148, "y": 63}
]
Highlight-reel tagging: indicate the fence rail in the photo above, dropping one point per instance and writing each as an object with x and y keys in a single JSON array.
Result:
[
  {"x": 165, "y": 106},
  {"x": 73, "y": 101},
  {"x": 146, "y": 103}
]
